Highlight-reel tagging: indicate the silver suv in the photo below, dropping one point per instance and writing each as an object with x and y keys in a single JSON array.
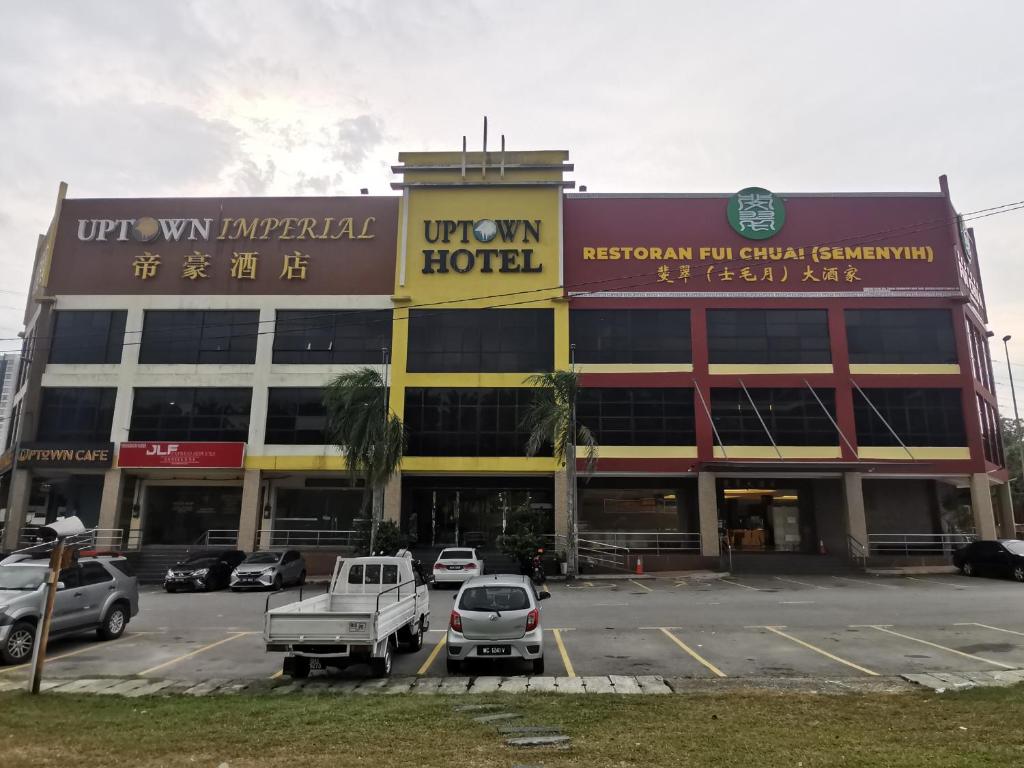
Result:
[
  {"x": 95, "y": 593},
  {"x": 496, "y": 617}
]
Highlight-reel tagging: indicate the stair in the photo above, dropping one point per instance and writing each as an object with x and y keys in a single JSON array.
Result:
[
  {"x": 791, "y": 563},
  {"x": 151, "y": 562}
]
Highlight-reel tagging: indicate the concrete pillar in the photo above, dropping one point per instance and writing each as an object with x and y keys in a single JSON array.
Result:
[
  {"x": 1007, "y": 524},
  {"x": 134, "y": 540},
  {"x": 266, "y": 532},
  {"x": 17, "y": 506},
  {"x": 393, "y": 499},
  {"x": 110, "y": 501},
  {"x": 707, "y": 507},
  {"x": 981, "y": 506},
  {"x": 856, "y": 518},
  {"x": 249, "y": 520},
  {"x": 561, "y": 504}
]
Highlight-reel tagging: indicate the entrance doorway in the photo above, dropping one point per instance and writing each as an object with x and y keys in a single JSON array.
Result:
[
  {"x": 761, "y": 515},
  {"x": 181, "y": 514}
]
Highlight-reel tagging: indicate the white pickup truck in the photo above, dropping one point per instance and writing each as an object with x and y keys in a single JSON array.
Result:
[{"x": 374, "y": 605}]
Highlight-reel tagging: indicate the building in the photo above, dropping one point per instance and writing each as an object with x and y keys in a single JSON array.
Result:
[
  {"x": 763, "y": 372},
  {"x": 8, "y": 378}
]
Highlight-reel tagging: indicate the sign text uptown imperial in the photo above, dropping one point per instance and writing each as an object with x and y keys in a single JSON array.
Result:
[{"x": 480, "y": 231}]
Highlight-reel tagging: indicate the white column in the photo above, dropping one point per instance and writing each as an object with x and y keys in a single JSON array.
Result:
[
  {"x": 249, "y": 519},
  {"x": 856, "y": 517},
  {"x": 707, "y": 506},
  {"x": 1007, "y": 524},
  {"x": 981, "y": 506}
]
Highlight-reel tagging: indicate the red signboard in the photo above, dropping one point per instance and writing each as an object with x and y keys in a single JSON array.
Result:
[
  {"x": 181, "y": 455},
  {"x": 869, "y": 245}
]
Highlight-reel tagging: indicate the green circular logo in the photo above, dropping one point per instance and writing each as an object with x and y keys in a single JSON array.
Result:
[{"x": 756, "y": 213}]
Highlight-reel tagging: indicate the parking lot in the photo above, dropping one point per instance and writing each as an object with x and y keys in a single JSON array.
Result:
[{"x": 825, "y": 627}]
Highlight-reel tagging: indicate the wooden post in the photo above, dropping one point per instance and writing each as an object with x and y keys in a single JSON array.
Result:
[{"x": 43, "y": 628}]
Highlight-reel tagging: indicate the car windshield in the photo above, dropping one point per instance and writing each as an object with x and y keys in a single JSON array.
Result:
[
  {"x": 263, "y": 557},
  {"x": 1016, "y": 547},
  {"x": 457, "y": 554},
  {"x": 203, "y": 563},
  {"x": 496, "y": 598},
  {"x": 26, "y": 577}
]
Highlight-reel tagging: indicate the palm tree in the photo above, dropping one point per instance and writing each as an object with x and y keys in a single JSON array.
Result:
[
  {"x": 551, "y": 420},
  {"x": 362, "y": 425}
]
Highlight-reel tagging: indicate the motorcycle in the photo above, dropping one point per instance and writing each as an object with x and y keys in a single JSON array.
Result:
[{"x": 537, "y": 574}]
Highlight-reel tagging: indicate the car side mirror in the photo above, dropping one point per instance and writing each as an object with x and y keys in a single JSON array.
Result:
[
  {"x": 60, "y": 586},
  {"x": 543, "y": 595}
]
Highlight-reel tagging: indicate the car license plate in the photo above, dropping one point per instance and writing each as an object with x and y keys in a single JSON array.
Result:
[
  {"x": 494, "y": 650},
  {"x": 454, "y": 567}
]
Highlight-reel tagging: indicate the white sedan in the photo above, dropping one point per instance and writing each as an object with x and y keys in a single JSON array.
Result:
[{"x": 456, "y": 565}]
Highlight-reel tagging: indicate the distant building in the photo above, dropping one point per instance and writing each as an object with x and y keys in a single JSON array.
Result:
[{"x": 8, "y": 377}]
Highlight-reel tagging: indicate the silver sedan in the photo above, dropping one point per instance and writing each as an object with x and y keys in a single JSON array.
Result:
[{"x": 269, "y": 570}]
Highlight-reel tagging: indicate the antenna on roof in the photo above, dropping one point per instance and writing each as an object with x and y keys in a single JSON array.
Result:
[
  {"x": 503, "y": 155},
  {"x": 463, "y": 157},
  {"x": 483, "y": 162}
]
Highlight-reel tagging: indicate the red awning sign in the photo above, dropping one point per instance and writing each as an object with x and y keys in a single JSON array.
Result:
[{"x": 181, "y": 455}]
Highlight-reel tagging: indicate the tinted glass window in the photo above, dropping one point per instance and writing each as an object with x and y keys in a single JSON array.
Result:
[
  {"x": 196, "y": 337},
  {"x": 87, "y": 336},
  {"x": 900, "y": 336},
  {"x": 76, "y": 414},
  {"x": 768, "y": 336},
  {"x": 263, "y": 557},
  {"x": 457, "y": 554},
  {"x": 495, "y": 599},
  {"x": 389, "y": 574},
  {"x": 296, "y": 416},
  {"x": 792, "y": 415},
  {"x": 201, "y": 414},
  {"x": 923, "y": 417},
  {"x": 70, "y": 577},
  {"x": 123, "y": 566},
  {"x": 324, "y": 336},
  {"x": 620, "y": 416},
  {"x": 492, "y": 340},
  {"x": 355, "y": 574},
  {"x": 466, "y": 422},
  {"x": 94, "y": 573},
  {"x": 1016, "y": 547},
  {"x": 638, "y": 336},
  {"x": 371, "y": 573}
]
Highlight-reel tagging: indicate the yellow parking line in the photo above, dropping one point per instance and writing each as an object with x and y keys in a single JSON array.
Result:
[
  {"x": 196, "y": 652},
  {"x": 569, "y": 671},
  {"x": 989, "y": 626},
  {"x": 433, "y": 655},
  {"x": 643, "y": 586},
  {"x": 822, "y": 651},
  {"x": 738, "y": 584},
  {"x": 51, "y": 659},
  {"x": 942, "y": 647},
  {"x": 279, "y": 673},
  {"x": 715, "y": 670},
  {"x": 801, "y": 583}
]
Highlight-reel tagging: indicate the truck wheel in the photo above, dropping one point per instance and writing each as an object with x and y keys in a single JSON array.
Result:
[
  {"x": 416, "y": 640},
  {"x": 18, "y": 647},
  {"x": 299, "y": 667},
  {"x": 114, "y": 623},
  {"x": 382, "y": 667},
  {"x": 538, "y": 666}
]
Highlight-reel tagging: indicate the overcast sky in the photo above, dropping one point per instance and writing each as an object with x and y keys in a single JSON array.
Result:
[{"x": 279, "y": 98}]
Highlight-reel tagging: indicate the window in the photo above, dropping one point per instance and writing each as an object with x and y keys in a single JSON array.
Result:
[
  {"x": 70, "y": 577},
  {"x": 76, "y": 414},
  {"x": 200, "y": 414},
  {"x": 491, "y": 340},
  {"x": 900, "y": 336},
  {"x": 793, "y": 416},
  {"x": 296, "y": 416},
  {"x": 499, "y": 598},
  {"x": 922, "y": 417},
  {"x": 87, "y": 337},
  {"x": 94, "y": 573},
  {"x": 466, "y": 422},
  {"x": 325, "y": 337},
  {"x": 389, "y": 574},
  {"x": 215, "y": 336},
  {"x": 355, "y": 574},
  {"x": 768, "y": 336},
  {"x": 619, "y": 416},
  {"x": 124, "y": 567},
  {"x": 634, "y": 336}
]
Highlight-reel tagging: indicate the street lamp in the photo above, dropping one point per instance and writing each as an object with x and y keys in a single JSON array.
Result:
[{"x": 1016, "y": 414}]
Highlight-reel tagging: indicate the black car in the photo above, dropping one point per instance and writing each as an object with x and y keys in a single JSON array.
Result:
[
  {"x": 207, "y": 570},
  {"x": 992, "y": 558}
]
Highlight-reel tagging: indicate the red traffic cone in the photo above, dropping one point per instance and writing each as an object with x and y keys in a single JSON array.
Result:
[
  {"x": 640, "y": 565},
  {"x": 822, "y": 549}
]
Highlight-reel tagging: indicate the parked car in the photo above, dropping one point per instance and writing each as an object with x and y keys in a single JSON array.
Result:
[
  {"x": 269, "y": 570},
  {"x": 992, "y": 558},
  {"x": 496, "y": 617},
  {"x": 206, "y": 570},
  {"x": 456, "y": 565},
  {"x": 98, "y": 594}
]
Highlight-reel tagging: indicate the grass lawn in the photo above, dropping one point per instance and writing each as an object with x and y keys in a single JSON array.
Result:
[{"x": 982, "y": 727}]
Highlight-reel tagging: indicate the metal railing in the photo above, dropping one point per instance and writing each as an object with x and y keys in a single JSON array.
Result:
[
  {"x": 603, "y": 554},
  {"x": 276, "y": 538},
  {"x": 96, "y": 538},
  {"x": 857, "y": 551},
  {"x": 218, "y": 538},
  {"x": 911, "y": 544},
  {"x": 643, "y": 541}
]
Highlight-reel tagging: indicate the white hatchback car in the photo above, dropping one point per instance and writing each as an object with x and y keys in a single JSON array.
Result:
[{"x": 457, "y": 565}]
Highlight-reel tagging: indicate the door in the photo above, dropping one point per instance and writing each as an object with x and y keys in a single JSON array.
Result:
[
  {"x": 290, "y": 567},
  {"x": 67, "y": 605},
  {"x": 97, "y": 584}
]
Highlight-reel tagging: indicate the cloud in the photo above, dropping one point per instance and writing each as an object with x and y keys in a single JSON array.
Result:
[{"x": 355, "y": 137}]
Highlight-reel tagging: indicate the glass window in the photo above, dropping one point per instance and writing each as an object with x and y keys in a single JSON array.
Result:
[
  {"x": 631, "y": 335},
  {"x": 921, "y": 417},
  {"x": 389, "y": 574},
  {"x": 76, "y": 414},
  {"x": 199, "y": 414},
  {"x": 324, "y": 337},
  {"x": 620, "y": 416},
  {"x": 296, "y": 416},
  {"x": 87, "y": 336},
  {"x": 777, "y": 336},
  {"x": 495, "y": 599},
  {"x": 466, "y": 422},
  {"x": 371, "y": 574},
  {"x": 70, "y": 577},
  {"x": 355, "y": 574},
  {"x": 199, "y": 337},
  {"x": 94, "y": 573},
  {"x": 491, "y": 340},
  {"x": 900, "y": 336},
  {"x": 792, "y": 415}
]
